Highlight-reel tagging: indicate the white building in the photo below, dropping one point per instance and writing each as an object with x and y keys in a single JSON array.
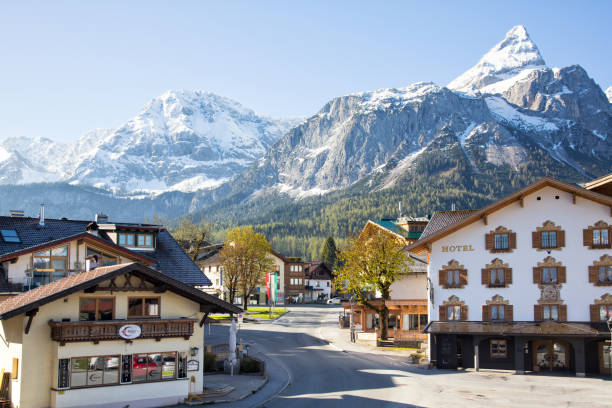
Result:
[{"x": 524, "y": 284}]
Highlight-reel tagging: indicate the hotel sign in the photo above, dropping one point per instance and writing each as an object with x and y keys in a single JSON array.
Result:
[
  {"x": 457, "y": 248},
  {"x": 129, "y": 331}
]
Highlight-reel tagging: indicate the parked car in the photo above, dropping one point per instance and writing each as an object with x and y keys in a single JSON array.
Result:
[{"x": 334, "y": 301}]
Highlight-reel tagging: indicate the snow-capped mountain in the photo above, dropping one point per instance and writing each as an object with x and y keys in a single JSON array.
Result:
[
  {"x": 510, "y": 60},
  {"x": 609, "y": 94},
  {"x": 181, "y": 140},
  {"x": 508, "y": 113}
]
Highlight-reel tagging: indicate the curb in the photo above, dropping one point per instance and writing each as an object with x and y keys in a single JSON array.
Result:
[{"x": 266, "y": 379}]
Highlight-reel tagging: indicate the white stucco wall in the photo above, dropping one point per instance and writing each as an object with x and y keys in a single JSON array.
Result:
[
  {"x": 577, "y": 293},
  {"x": 410, "y": 286}
]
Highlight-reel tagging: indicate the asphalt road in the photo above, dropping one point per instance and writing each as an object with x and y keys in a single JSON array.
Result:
[{"x": 311, "y": 372}]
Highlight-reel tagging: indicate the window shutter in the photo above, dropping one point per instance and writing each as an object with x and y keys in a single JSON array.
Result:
[
  {"x": 489, "y": 241},
  {"x": 464, "y": 313},
  {"x": 536, "y": 239},
  {"x": 442, "y": 278},
  {"x": 593, "y": 278},
  {"x": 537, "y": 277},
  {"x": 509, "y": 313},
  {"x": 512, "y": 241},
  {"x": 538, "y": 315},
  {"x": 485, "y": 277},
  {"x": 560, "y": 239},
  {"x": 508, "y": 276},
  {"x": 561, "y": 275},
  {"x": 463, "y": 277},
  {"x": 486, "y": 316},
  {"x": 587, "y": 237},
  {"x": 442, "y": 313},
  {"x": 594, "y": 313},
  {"x": 609, "y": 237},
  {"x": 563, "y": 313}
]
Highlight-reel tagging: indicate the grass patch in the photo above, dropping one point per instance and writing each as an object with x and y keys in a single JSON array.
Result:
[{"x": 255, "y": 313}]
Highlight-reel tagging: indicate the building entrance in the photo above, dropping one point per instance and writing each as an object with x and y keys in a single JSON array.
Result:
[{"x": 551, "y": 355}]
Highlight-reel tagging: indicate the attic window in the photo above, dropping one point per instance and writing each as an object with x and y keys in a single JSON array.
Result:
[{"x": 10, "y": 236}]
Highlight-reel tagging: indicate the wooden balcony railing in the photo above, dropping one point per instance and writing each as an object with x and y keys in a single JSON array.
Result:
[{"x": 109, "y": 329}]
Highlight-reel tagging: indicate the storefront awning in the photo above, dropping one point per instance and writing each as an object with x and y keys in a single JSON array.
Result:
[{"x": 548, "y": 328}]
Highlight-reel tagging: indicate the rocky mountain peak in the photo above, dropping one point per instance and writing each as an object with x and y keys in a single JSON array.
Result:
[
  {"x": 609, "y": 94},
  {"x": 508, "y": 61}
]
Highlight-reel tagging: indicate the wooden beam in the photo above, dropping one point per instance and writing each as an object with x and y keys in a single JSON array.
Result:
[
  {"x": 91, "y": 290},
  {"x": 203, "y": 319},
  {"x": 522, "y": 201},
  {"x": 161, "y": 288},
  {"x": 573, "y": 198},
  {"x": 485, "y": 219},
  {"x": 30, "y": 314},
  {"x": 206, "y": 308}
]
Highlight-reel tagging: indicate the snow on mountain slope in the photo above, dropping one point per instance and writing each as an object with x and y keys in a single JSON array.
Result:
[
  {"x": 508, "y": 61},
  {"x": 181, "y": 140},
  {"x": 609, "y": 94}
]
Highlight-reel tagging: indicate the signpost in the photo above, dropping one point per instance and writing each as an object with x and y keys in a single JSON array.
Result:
[{"x": 129, "y": 331}]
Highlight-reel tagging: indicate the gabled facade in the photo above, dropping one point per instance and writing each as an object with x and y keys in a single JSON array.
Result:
[
  {"x": 37, "y": 251},
  {"x": 110, "y": 337},
  {"x": 408, "y": 303},
  {"x": 524, "y": 283},
  {"x": 318, "y": 281}
]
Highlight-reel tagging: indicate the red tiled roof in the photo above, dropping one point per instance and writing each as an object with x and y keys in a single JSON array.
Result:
[{"x": 55, "y": 290}]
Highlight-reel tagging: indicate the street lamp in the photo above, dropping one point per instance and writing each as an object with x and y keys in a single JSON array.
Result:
[
  {"x": 609, "y": 322},
  {"x": 352, "y": 321}
]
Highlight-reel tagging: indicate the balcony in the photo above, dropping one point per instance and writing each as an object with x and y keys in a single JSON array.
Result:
[{"x": 96, "y": 331}]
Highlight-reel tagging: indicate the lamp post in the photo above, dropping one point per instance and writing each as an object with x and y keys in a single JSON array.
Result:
[
  {"x": 352, "y": 322},
  {"x": 609, "y": 322}
]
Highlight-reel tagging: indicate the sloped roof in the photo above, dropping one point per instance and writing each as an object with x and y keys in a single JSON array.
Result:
[
  {"x": 442, "y": 219},
  {"x": 497, "y": 205},
  {"x": 74, "y": 283},
  {"x": 168, "y": 255}
]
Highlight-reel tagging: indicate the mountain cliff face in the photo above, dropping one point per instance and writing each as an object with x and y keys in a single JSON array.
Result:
[
  {"x": 508, "y": 112},
  {"x": 609, "y": 94},
  {"x": 182, "y": 140}
]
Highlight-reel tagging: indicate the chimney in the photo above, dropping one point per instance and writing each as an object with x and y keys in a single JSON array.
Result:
[
  {"x": 42, "y": 215},
  {"x": 101, "y": 218},
  {"x": 453, "y": 207},
  {"x": 16, "y": 213}
]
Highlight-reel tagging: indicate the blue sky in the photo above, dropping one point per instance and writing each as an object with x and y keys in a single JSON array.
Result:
[{"x": 69, "y": 67}]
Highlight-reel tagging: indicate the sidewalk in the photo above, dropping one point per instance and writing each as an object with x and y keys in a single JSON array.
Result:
[
  {"x": 340, "y": 338},
  {"x": 239, "y": 387}
]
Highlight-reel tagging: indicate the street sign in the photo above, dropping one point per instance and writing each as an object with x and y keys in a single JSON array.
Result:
[
  {"x": 240, "y": 318},
  {"x": 129, "y": 331}
]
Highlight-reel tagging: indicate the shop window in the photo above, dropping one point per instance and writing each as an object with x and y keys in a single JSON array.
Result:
[
  {"x": 92, "y": 308},
  {"x": 50, "y": 265},
  {"x": 155, "y": 367},
  {"x": 600, "y": 273},
  {"x": 145, "y": 240},
  {"x": 452, "y": 275},
  {"x": 143, "y": 307},
  {"x": 392, "y": 322},
  {"x": 94, "y": 371},
  {"x": 549, "y": 236},
  {"x": 498, "y": 348},
  {"x": 126, "y": 239},
  {"x": 597, "y": 236},
  {"x": 500, "y": 240}
]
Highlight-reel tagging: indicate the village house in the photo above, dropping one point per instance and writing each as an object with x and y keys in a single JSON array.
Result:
[
  {"x": 408, "y": 303},
  {"x": 113, "y": 336},
  {"x": 289, "y": 276},
  {"x": 37, "y": 251},
  {"x": 524, "y": 283},
  {"x": 318, "y": 281}
]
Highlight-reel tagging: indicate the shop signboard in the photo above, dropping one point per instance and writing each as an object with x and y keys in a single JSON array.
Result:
[
  {"x": 193, "y": 365},
  {"x": 129, "y": 331}
]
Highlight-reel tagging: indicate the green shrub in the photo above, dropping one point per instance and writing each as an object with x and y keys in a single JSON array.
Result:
[
  {"x": 210, "y": 360},
  {"x": 250, "y": 365}
]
